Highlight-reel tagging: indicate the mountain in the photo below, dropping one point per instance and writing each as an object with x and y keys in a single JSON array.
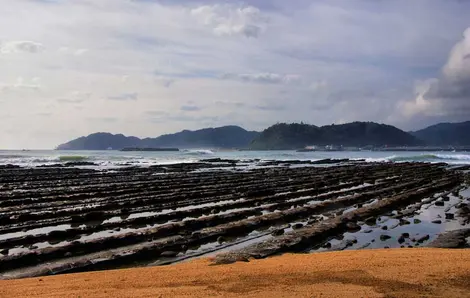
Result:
[
  {"x": 220, "y": 137},
  {"x": 357, "y": 134},
  {"x": 445, "y": 134},
  {"x": 100, "y": 141}
]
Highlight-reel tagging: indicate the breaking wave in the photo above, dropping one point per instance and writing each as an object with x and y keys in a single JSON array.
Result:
[
  {"x": 449, "y": 158},
  {"x": 198, "y": 152},
  {"x": 72, "y": 158},
  {"x": 425, "y": 157}
]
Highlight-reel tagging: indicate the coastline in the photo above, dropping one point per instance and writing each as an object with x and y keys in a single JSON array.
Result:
[{"x": 360, "y": 273}]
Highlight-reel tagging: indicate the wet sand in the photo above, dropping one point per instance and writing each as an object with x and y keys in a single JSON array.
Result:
[{"x": 363, "y": 273}]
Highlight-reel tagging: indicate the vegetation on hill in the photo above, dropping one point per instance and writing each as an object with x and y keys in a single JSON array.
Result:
[
  {"x": 221, "y": 137},
  {"x": 357, "y": 134},
  {"x": 445, "y": 134}
]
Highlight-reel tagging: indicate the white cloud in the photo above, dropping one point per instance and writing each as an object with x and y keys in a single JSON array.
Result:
[
  {"x": 265, "y": 78},
  {"x": 22, "y": 84},
  {"x": 319, "y": 85},
  {"x": 75, "y": 97},
  {"x": 230, "y": 20},
  {"x": 80, "y": 52},
  {"x": 21, "y": 47},
  {"x": 124, "y": 96},
  {"x": 448, "y": 94}
]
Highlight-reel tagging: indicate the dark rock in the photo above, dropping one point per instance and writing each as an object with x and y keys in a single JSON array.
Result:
[
  {"x": 95, "y": 215},
  {"x": 196, "y": 235},
  {"x": 370, "y": 221},
  {"x": 4, "y": 251},
  {"x": 401, "y": 239},
  {"x": 79, "y": 163},
  {"x": 221, "y": 239},
  {"x": 297, "y": 226},
  {"x": 9, "y": 166},
  {"x": 449, "y": 216},
  {"x": 277, "y": 232},
  {"x": 384, "y": 237},
  {"x": 327, "y": 245},
  {"x": 404, "y": 222},
  {"x": 384, "y": 228},
  {"x": 422, "y": 239},
  {"x": 445, "y": 198},
  {"x": 439, "y": 203},
  {"x": 416, "y": 221},
  {"x": 437, "y": 221},
  {"x": 312, "y": 221},
  {"x": 169, "y": 254},
  {"x": 339, "y": 237},
  {"x": 451, "y": 239},
  {"x": 367, "y": 231},
  {"x": 405, "y": 235},
  {"x": 353, "y": 227}
]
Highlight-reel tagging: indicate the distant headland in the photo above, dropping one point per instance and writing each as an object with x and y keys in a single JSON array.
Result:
[{"x": 294, "y": 136}]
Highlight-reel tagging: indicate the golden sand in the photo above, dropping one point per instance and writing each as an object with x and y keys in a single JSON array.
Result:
[{"x": 364, "y": 273}]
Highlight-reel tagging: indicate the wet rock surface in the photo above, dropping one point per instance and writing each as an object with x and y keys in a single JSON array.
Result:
[{"x": 68, "y": 219}]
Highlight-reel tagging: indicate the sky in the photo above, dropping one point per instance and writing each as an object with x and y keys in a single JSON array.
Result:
[{"x": 146, "y": 67}]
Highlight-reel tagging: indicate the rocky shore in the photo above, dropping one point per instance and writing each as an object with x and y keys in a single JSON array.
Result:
[{"x": 63, "y": 219}]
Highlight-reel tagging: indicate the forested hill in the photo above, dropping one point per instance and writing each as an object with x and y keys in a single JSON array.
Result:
[
  {"x": 357, "y": 134},
  {"x": 220, "y": 137}
]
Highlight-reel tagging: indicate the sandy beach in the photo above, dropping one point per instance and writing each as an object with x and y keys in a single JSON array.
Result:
[{"x": 364, "y": 273}]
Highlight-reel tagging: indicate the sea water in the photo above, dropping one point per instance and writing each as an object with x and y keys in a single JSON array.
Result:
[{"x": 112, "y": 158}]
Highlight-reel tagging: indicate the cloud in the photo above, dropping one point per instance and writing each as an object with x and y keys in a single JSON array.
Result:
[
  {"x": 272, "y": 107},
  {"x": 263, "y": 78},
  {"x": 165, "y": 82},
  {"x": 43, "y": 114},
  {"x": 227, "y": 20},
  {"x": 103, "y": 119},
  {"x": 449, "y": 94},
  {"x": 125, "y": 96},
  {"x": 21, "y": 47},
  {"x": 225, "y": 104},
  {"x": 80, "y": 52},
  {"x": 190, "y": 108},
  {"x": 75, "y": 97},
  {"x": 22, "y": 84}
]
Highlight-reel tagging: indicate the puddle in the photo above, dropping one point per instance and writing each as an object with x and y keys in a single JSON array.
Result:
[{"x": 423, "y": 223}]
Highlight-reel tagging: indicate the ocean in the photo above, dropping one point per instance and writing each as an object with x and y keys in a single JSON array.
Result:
[{"x": 112, "y": 159}]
